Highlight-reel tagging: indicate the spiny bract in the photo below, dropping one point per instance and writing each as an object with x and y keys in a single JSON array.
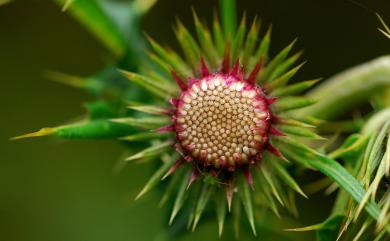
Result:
[{"x": 228, "y": 121}]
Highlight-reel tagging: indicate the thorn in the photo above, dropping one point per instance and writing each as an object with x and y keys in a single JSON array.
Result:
[
  {"x": 183, "y": 86},
  {"x": 235, "y": 68},
  {"x": 226, "y": 58},
  {"x": 248, "y": 178},
  {"x": 229, "y": 194},
  {"x": 276, "y": 132},
  {"x": 276, "y": 152},
  {"x": 204, "y": 70},
  {"x": 194, "y": 175},
  {"x": 252, "y": 76},
  {"x": 169, "y": 128},
  {"x": 175, "y": 166},
  {"x": 271, "y": 100},
  {"x": 241, "y": 73},
  {"x": 174, "y": 102},
  {"x": 42, "y": 132}
]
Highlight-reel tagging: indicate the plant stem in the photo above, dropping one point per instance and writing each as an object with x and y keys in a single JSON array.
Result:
[{"x": 349, "y": 89}]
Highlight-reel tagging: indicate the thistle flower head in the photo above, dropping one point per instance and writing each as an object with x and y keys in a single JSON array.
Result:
[{"x": 228, "y": 112}]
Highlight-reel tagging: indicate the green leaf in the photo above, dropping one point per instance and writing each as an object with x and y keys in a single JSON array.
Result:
[
  {"x": 328, "y": 230},
  {"x": 144, "y": 122},
  {"x": 143, "y": 136},
  {"x": 180, "y": 197},
  {"x": 294, "y": 89},
  {"x": 291, "y": 103},
  {"x": 154, "y": 87},
  {"x": 285, "y": 176},
  {"x": 97, "y": 129},
  {"x": 220, "y": 207},
  {"x": 239, "y": 39},
  {"x": 283, "y": 80},
  {"x": 333, "y": 170},
  {"x": 300, "y": 131},
  {"x": 169, "y": 56},
  {"x": 206, "y": 42},
  {"x": 229, "y": 17},
  {"x": 204, "y": 197},
  {"x": 156, "y": 177},
  {"x": 283, "y": 67},
  {"x": 246, "y": 200},
  {"x": 151, "y": 151},
  {"x": 250, "y": 42},
  {"x": 275, "y": 62},
  {"x": 150, "y": 109},
  {"x": 188, "y": 45},
  {"x": 93, "y": 17}
]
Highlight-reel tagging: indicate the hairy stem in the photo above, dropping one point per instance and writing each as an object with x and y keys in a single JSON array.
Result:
[{"x": 349, "y": 89}]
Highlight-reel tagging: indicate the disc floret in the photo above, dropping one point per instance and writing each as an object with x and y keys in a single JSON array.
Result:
[{"x": 222, "y": 120}]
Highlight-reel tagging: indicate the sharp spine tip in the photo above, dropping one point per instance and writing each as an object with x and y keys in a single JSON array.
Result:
[{"x": 183, "y": 86}]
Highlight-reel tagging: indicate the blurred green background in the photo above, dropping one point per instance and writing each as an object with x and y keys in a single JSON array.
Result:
[{"x": 53, "y": 190}]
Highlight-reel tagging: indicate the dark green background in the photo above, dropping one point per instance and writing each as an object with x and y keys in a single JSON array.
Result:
[{"x": 54, "y": 190}]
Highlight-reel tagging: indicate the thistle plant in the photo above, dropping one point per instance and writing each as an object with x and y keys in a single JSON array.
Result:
[{"x": 225, "y": 126}]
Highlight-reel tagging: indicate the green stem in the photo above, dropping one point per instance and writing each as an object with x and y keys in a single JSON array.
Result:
[
  {"x": 349, "y": 89},
  {"x": 377, "y": 121},
  {"x": 228, "y": 17}
]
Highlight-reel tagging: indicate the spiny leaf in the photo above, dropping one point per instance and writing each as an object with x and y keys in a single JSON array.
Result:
[
  {"x": 206, "y": 41},
  {"x": 180, "y": 197},
  {"x": 152, "y": 151},
  {"x": 386, "y": 32},
  {"x": 220, "y": 207},
  {"x": 262, "y": 50},
  {"x": 160, "y": 90},
  {"x": 228, "y": 18},
  {"x": 42, "y": 132},
  {"x": 93, "y": 17},
  {"x": 300, "y": 131},
  {"x": 144, "y": 136},
  {"x": 246, "y": 200},
  {"x": 170, "y": 57},
  {"x": 67, "y": 79},
  {"x": 188, "y": 45},
  {"x": 333, "y": 170},
  {"x": 282, "y": 80},
  {"x": 156, "y": 177},
  {"x": 236, "y": 209},
  {"x": 283, "y": 67},
  {"x": 170, "y": 188},
  {"x": 150, "y": 109},
  {"x": 292, "y": 122},
  {"x": 250, "y": 42},
  {"x": 285, "y": 176},
  {"x": 97, "y": 129},
  {"x": 204, "y": 197},
  {"x": 294, "y": 89},
  {"x": 143, "y": 6},
  {"x": 271, "y": 184},
  {"x": 219, "y": 38},
  {"x": 239, "y": 38},
  {"x": 290, "y": 103},
  {"x": 144, "y": 122},
  {"x": 276, "y": 61}
]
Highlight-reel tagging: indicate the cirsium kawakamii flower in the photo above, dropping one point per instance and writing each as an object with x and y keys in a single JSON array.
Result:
[{"x": 228, "y": 122}]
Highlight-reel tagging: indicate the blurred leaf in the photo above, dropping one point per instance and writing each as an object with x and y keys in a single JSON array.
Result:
[
  {"x": 328, "y": 230},
  {"x": 228, "y": 17},
  {"x": 348, "y": 89},
  {"x": 93, "y": 17}
]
